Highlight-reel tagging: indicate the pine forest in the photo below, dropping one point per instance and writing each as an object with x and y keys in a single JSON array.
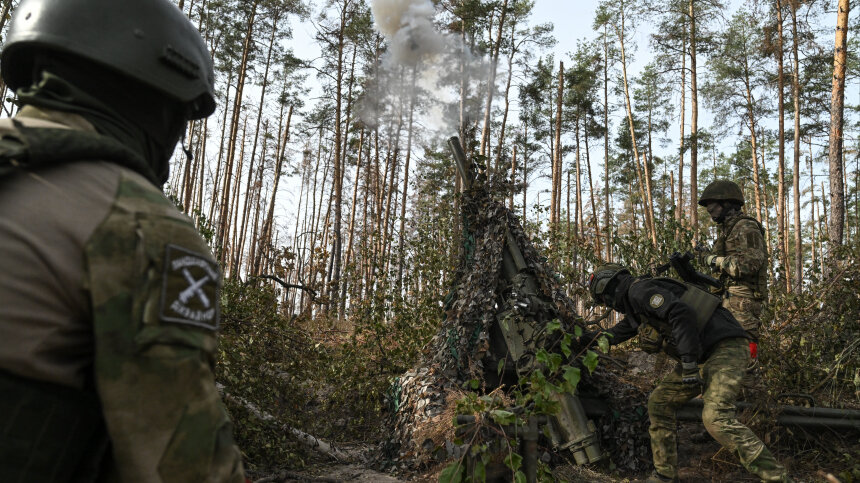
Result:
[{"x": 356, "y": 253}]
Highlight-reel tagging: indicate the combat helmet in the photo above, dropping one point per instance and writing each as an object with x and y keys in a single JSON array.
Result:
[
  {"x": 150, "y": 41},
  {"x": 600, "y": 278},
  {"x": 722, "y": 190}
]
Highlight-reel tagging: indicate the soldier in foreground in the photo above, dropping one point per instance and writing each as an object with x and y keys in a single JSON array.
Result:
[
  {"x": 739, "y": 255},
  {"x": 711, "y": 348},
  {"x": 109, "y": 295}
]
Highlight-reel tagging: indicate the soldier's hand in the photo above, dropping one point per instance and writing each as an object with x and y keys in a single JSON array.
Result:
[
  {"x": 713, "y": 261},
  {"x": 588, "y": 339},
  {"x": 690, "y": 373},
  {"x": 702, "y": 248}
]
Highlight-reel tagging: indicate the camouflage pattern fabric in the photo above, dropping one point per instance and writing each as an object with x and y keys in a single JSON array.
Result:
[
  {"x": 722, "y": 374},
  {"x": 140, "y": 329},
  {"x": 748, "y": 312},
  {"x": 154, "y": 287},
  {"x": 742, "y": 266}
]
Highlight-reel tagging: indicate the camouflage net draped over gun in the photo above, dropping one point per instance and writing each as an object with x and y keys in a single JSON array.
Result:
[{"x": 424, "y": 398}]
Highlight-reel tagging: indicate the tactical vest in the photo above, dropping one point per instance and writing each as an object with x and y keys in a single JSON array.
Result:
[
  {"x": 651, "y": 330},
  {"x": 757, "y": 282}
]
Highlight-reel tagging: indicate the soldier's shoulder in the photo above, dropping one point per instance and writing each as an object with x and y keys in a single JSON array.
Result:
[
  {"x": 643, "y": 288},
  {"x": 746, "y": 224},
  {"x": 136, "y": 194},
  {"x": 141, "y": 207}
]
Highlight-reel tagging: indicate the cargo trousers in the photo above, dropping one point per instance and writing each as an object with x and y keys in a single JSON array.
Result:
[{"x": 722, "y": 374}]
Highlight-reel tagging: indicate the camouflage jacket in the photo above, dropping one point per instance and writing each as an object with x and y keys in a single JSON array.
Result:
[
  {"x": 109, "y": 289},
  {"x": 742, "y": 256}
]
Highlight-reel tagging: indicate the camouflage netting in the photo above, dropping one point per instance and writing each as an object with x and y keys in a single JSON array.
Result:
[{"x": 424, "y": 397}]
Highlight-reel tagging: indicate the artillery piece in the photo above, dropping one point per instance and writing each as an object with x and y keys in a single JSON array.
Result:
[{"x": 496, "y": 316}]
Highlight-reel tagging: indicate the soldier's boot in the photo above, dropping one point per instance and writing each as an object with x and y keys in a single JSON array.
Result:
[
  {"x": 766, "y": 467},
  {"x": 657, "y": 478}
]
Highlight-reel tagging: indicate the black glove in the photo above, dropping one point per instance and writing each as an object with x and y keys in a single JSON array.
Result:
[
  {"x": 690, "y": 373},
  {"x": 588, "y": 339}
]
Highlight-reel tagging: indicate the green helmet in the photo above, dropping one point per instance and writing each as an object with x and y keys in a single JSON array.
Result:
[
  {"x": 150, "y": 41},
  {"x": 599, "y": 280},
  {"x": 722, "y": 190}
]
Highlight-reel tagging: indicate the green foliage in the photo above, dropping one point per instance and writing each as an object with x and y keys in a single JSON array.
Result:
[
  {"x": 556, "y": 372},
  {"x": 386, "y": 341},
  {"x": 811, "y": 341},
  {"x": 264, "y": 361}
]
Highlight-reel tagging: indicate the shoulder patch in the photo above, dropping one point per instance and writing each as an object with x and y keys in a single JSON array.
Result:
[
  {"x": 189, "y": 293},
  {"x": 656, "y": 301}
]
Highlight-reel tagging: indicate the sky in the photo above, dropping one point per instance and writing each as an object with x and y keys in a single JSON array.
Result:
[{"x": 573, "y": 22}]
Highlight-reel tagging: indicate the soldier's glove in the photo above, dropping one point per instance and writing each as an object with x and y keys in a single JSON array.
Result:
[
  {"x": 690, "y": 373},
  {"x": 713, "y": 261},
  {"x": 588, "y": 339}
]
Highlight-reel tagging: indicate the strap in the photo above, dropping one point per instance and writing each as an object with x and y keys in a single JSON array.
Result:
[{"x": 703, "y": 302}]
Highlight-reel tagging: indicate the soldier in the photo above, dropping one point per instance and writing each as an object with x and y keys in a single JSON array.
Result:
[
  {"x": 711, "y": 348},
  {"x": 109, "y": 295},
  {"x": 739, "y": 255}
]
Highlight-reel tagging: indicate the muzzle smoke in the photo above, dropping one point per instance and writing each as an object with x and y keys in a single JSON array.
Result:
[{"x": 423, "y": 61}]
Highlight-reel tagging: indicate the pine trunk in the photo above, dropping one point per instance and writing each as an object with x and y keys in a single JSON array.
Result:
[{"x": 837, "y": 107}]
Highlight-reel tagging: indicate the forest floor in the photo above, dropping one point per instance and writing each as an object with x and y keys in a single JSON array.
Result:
[{"x": 701, "y": 458}]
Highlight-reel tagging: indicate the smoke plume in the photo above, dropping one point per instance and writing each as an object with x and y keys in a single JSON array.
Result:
[{"x": 420, "y": 60}]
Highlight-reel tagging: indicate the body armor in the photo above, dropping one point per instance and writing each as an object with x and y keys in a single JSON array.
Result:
[
  {"x": 651, "y": 330},
  {"x": 756, "y": 284}
]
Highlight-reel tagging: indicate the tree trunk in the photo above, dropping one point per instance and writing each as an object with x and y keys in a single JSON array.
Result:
[
  {"x": 266, "y": 232},
  {"x": 216, "y": 182},
  {"x": 233, "y": 210},
  {"x": 401, "y": 248},
  {"x": 607, "y": 213},
  {"x": 337, "y": 192},
  {"x": 837, "y": 107},
  {"x": 507, "y": 99},
  {"x": 694, "y": 128},
  {"x": 798, "y": 232},
  {"x": 597, "y": 248},
  {"x": 680, "y": 219},
  {"x": 257, "y": 136},
  {"x": 491, "y": 83},
  {"x": 751, "y": 118},
  {"x": 781, "y": 221},
  {"x": 513, "y": 177},
  {"x": 555, "y": 203},
  {"x": 224, "y": 218},
  {"x": 352, "y": 218},
  {"x": 620, "y": 33}
]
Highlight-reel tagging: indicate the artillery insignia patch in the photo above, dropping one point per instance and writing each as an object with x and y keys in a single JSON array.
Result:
[
  {"x": 189, "y": 291},
  {"x": 656, "y": 300}
]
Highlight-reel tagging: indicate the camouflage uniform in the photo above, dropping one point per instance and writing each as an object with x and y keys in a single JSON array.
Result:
[
  {"x": 722, "y": 374},
  {"x": 719, "y": 347},
  {"x": 109, "y": 299},
  {"x": 742, "y": 266}
]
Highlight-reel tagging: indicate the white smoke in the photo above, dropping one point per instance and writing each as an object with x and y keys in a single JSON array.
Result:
[
  {"x": 414, "y": 42},
  {"x": 408, "y": 27}
]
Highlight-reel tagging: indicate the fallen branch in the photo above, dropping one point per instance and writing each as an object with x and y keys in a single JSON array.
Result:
[
  {"x": 284, "y": 284},
  {"x": 306, "y": 439}
]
